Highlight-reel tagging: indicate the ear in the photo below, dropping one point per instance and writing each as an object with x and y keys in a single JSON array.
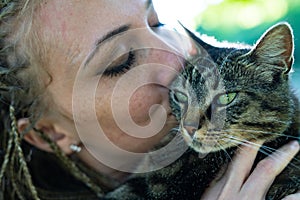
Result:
[
  {"x": 197, "y": 41},
  {"x": 61, "y": 138},
  {"x": 275, "y": 48}
]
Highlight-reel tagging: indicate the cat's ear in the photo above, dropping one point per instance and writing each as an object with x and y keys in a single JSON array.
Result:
[
  {"x": 199, "y": 43},
  {"x": 275, "y": 48}
]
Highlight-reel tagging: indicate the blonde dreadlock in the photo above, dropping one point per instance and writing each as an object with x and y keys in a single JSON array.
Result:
[{"x": 18, "y": 98}]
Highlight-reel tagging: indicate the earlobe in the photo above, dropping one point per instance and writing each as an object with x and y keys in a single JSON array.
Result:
[
  {"x": 62, "y": 140},
  {"x": 31, "y": 137}
]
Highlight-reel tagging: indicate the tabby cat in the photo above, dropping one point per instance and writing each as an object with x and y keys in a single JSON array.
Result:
[
  {"x": 230, "y": 96},
  {"x": 225, "y": 97}
]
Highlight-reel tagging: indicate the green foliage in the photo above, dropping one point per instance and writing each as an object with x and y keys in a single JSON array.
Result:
[{"x": 245, "y": 21}]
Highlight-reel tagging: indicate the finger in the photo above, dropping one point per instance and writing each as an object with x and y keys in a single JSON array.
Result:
[
  {"x": 231, "y": 182},
  {"x": 240, "y": 167},
  {"x": 292, "y": 197},
  {"x": 267, "y": 169}
]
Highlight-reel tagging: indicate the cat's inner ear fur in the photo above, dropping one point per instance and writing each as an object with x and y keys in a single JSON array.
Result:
[{"x": 275, "y": 48}]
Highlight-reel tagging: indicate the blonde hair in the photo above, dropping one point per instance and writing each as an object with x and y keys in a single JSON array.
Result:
[{"x": 21, "y": 56}]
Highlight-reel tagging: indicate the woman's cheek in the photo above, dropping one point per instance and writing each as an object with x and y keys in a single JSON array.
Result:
[{"x": 142, "y": 102}]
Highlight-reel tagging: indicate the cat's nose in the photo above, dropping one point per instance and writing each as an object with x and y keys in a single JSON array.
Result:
[{"x": 191, "y": 130}]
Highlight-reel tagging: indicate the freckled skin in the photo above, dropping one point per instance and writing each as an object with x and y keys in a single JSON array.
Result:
[{"x": 70, "y": 35}]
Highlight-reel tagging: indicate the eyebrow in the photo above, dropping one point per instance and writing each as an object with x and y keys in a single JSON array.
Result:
[{"x": 108, "y": 36}]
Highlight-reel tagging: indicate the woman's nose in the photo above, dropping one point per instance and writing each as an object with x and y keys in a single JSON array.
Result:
[
  {"x": 162, "y": 66},
  {"x": 165, "y": 52},
  {"x": 168, "y": 72}
]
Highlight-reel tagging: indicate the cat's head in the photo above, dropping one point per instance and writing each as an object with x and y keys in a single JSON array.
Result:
[{"x": 226, "y": 96}]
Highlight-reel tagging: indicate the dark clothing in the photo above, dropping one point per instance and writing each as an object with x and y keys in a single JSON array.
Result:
[{"x": 54, "y": 182}]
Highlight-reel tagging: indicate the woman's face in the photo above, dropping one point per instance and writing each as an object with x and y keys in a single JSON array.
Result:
[{"x": 108, "y": 62}]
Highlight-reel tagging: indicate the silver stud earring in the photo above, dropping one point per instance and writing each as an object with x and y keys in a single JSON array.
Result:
[{"x": 75, "y": 148}]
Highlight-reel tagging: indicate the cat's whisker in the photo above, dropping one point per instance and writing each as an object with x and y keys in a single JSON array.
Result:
[
  {"x": 261, "y": 148},
  {"x": 263, "y": 132},
  {"x": 239, "y": 147},
  {"x": 237, "y": 141},
  {"x": 224, "y": 149},
  {"x": 273, "y": 155},
  {"x": 244, "y": 142},
  {"x": 250, "y": 144},
  {"x": 273, "y": 150},
  {"x": 237, "y": 138}
]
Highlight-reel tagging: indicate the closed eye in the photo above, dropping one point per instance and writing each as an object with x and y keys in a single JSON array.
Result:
[{"x": 121, "y": 65}]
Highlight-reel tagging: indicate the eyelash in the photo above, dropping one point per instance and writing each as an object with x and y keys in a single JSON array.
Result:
[
  {"x": 122, "y": 68},
  {"x": 159, "y": 24}
]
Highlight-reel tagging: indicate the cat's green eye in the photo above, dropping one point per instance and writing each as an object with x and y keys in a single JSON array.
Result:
[
  {"x": 225, "y": 99},
  {"x": 180, "y": 97}
]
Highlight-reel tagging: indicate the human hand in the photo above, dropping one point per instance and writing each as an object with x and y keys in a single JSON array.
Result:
[{"x": 237, "y": 182}]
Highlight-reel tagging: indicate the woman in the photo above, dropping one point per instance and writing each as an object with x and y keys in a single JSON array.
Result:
[{"x": 64, "y": 81}]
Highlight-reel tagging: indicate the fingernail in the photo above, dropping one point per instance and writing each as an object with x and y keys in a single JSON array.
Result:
[{"x": 294, "y": 145}]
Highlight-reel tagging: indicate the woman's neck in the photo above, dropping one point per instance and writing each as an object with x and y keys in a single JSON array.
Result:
[{"x": 96, "y": 165}]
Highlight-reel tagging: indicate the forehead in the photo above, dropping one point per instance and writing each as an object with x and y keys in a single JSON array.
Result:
[
  {"x": 72, "y": 27},
  {"x": 79, "y": 20},
  {"x": 69, "y": 18}
]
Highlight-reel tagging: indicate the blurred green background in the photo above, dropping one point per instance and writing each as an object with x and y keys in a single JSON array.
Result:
[{"x": 246, "y": 20}]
